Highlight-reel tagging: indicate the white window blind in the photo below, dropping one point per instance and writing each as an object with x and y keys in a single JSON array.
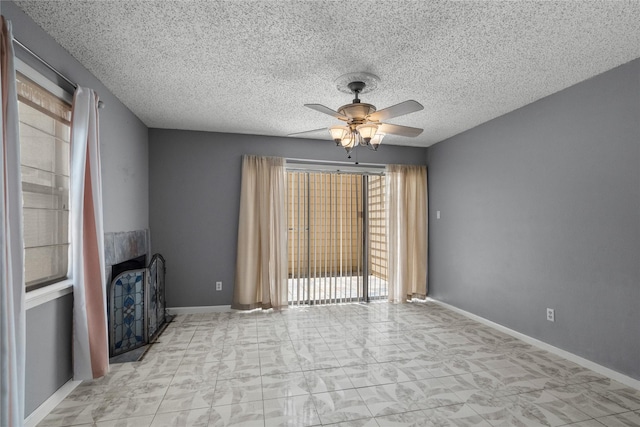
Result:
[{"x": 44, "y": 150}]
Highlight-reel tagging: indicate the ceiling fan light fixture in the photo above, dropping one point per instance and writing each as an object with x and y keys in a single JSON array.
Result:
[
  {"x": 376, "y": 141},
  {"x": 367, "y": 131},
  {"x": 338, "y": 133},
  {"x": 349, "y": 141}
]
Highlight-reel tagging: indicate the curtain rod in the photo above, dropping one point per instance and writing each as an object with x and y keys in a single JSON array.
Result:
[
  {"x": 45, "y": 63},
  {"x": 49, "y": 66},
  {"x": 335, "y": 162}
]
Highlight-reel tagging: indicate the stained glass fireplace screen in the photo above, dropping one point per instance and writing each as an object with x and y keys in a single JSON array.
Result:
[{"x": 127, "y": 311}]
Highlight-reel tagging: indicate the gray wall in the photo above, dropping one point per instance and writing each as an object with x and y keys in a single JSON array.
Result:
[
  {"x": 195, "y": 197},
  {"x": 49, "y": 363},
  {"x": 541, "y": 208},
  {"x": 124, "y": 155}
]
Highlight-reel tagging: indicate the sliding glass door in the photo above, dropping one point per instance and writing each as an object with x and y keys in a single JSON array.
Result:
[{"x": 336, "y": 238}]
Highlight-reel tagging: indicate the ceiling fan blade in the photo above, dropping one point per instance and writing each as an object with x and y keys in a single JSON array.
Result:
[
  {"x": 401, "y": 109},
  {"x": 310, "y": 133},
  {"x": 326, "y": 110},
  {"x": 399, "y": 130}
]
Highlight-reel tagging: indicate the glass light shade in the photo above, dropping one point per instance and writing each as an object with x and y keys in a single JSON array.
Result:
[
  {"x": 367, "y": 131},
  {"x": 349, "y": 142},
  {"x": 337, "y": 133},
  {"x": 376, "y": 140}
]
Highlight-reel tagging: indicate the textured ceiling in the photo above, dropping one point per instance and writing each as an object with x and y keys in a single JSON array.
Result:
[{"x": 249, "y": 66}]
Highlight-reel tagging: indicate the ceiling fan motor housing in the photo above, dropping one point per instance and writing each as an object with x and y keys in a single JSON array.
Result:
[{"x": 357, "y": 112}]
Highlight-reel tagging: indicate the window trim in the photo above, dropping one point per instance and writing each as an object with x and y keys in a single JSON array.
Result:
[
  {"x": 36, "y": 297},
  {"x": 38, "y": 78}
]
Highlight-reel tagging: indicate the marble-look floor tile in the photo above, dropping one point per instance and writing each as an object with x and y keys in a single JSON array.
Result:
[
  {"x": 403, "y": 419},
  {"x": 65, "y": 415},
  {"x": 249, "y": 414},
  {"x": 310, "y": 361},
  {"x": 123, "y": 407},
  {"x": 625, "y": 419},
  {"x": 280, "y": 364},
  {"x": 367, "y": 375},
  {"x": 228, "y": 369},
  {"x": 587, "y": 401},
  {"x": 354, "y": 356},
  {"x": 184, "y": 398},
  {"x": 284, "y": 385},
  {"x": 587, "y": 423},
  {"x": 237, "y": 390},
  {"x": 411, "y": 369},
  {"x": 144, "y": 421},
  {"x": 435, "y": 394},
  {"x": 542, "y": 408},
  {"x": 487, "y": 382},
  {"x": 295, "y": 411},
  {"x": 363, "y": 422},
  {"x": 493, "y": 363},
  {"x": 196, "y": 373},
  {"x": 454, "y": 415},
  {"x": 149, "y": 388},
  {"x": 340, "y": 406},
  {"x": 389, "y": 399},
  {"x": 390, "y": 353},
  {"x": 330, "y": 379},
  {"x": 163, "y": 361},
  {"x": 192, "y": 418},
  {"x": 281, "y": 350},
  {"x": 488, "y": 406},
  {"x": 619, "y": 393},
  {"x": 438, "y": 367}
]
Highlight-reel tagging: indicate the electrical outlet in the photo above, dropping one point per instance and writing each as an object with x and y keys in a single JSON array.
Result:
[
  {"x": 218, "y": 286},
  {"x": 551, "y": 315}
]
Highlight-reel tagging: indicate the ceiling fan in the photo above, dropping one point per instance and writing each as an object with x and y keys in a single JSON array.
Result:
[{"x": 363, "y": 123}]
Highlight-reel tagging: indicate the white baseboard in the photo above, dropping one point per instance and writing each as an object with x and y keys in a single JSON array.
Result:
[
  {"x": 48, "y": 405},
  {"x": 202, "y": 309},
  {"x": 607, "y": 372}
]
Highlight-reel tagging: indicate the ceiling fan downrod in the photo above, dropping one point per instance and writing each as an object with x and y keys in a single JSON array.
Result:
[{"x": 356, "y": 88}]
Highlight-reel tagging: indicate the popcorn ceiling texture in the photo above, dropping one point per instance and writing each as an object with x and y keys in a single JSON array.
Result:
[{"x": 249, "y": 66}]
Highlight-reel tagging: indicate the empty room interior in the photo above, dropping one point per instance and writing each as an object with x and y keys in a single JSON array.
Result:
[{"x": 300, "y": 213}]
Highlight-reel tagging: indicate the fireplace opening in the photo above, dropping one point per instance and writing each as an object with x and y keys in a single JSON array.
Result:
[{"x": 130, "y": 264}]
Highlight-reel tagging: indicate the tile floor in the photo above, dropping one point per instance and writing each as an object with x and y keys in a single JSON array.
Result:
[{"x": 379, "y": 364}]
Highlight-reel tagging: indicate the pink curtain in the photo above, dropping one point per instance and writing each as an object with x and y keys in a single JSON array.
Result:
[
  {"x": 12, "y": 290},
  {"x": 90, "y": 339}
]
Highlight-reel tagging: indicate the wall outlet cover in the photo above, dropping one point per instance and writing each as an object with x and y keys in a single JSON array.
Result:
[{"x": 551, "y": 315}]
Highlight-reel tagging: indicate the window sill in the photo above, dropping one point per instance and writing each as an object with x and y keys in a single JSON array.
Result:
[{"x": 48, "y": 293}]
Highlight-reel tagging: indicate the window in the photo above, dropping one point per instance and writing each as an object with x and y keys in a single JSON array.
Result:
[{"x": 44, "y": 150}]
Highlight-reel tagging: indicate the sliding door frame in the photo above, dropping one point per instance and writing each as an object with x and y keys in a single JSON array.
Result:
[{"x": 306, "y": 294}]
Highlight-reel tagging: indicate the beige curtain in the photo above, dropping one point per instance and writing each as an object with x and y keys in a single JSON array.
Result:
[
  {"x": 407, "y": 232},
  {"x": 261, "y": 266}
]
